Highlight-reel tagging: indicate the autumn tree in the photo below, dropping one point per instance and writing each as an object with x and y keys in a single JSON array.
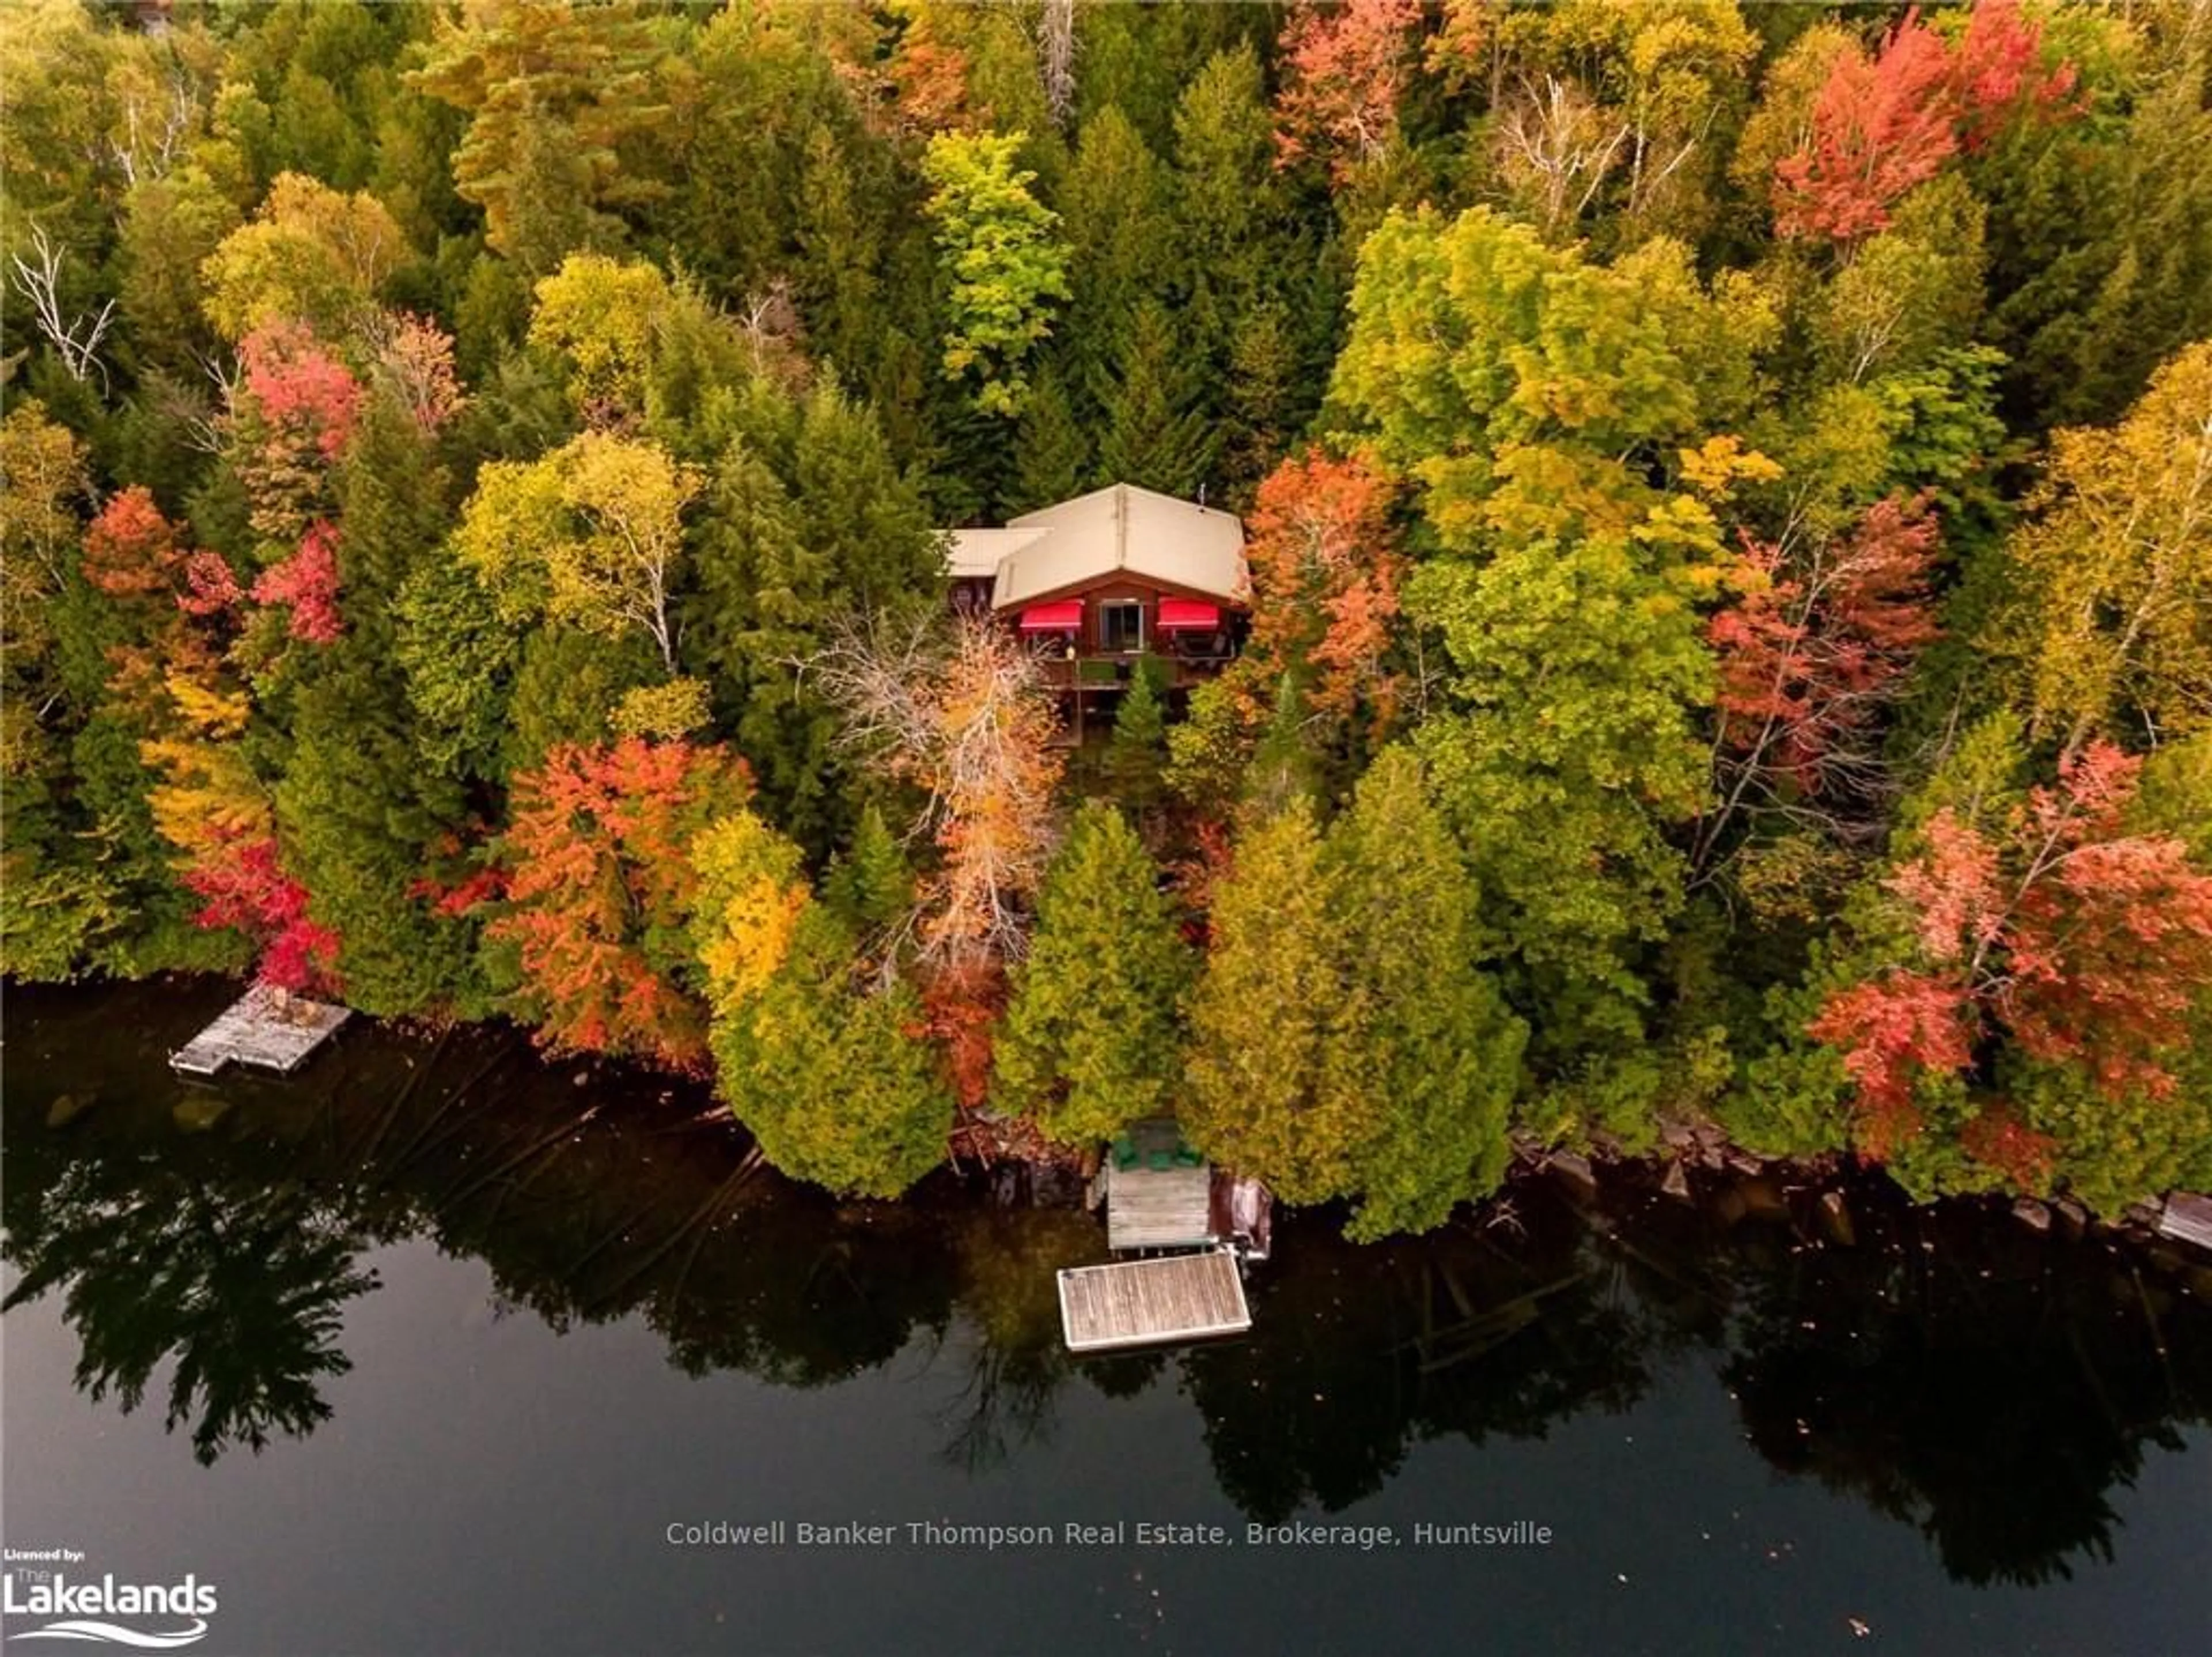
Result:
[
  {"x": 288, "y": 425},
  {"x": 1003, "y": 263},
  {"x": 1812, "y": 647},
  {"x": 1092, "y": 1031},
  {"x": 600, "y": 894},
  {"x": 1346, "y": 67},
  {"x": 1624, "y": 109},
  {"x": 2036, "y": 924},
  {"x": 591, "y": 534},
  {"x": 2111, "y": 616},
  {"x": 605, "y": 317},
  {"x": 1326, "y": 574},
  {"x": 1883, "y": 124},
  {"x": 964, "y": 720},
  {"x": 312, "y": 258}
]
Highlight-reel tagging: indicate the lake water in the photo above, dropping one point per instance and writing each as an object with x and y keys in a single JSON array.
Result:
[{"x": 416, "y": 1353}]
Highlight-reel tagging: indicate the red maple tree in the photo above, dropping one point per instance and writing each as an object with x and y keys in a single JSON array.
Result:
[
  {"x": 1344, "y": 70},
  {"x": 243, "y": 884},
  {"x": 304, "y": 395},
  {"x": 210, "y": 587},
  {"x": 2050, "y": 927},
  {"x": 1881, "y": 126},
  {"x": 308, "y": 584},
  {"x": 1817, "y": 644}
]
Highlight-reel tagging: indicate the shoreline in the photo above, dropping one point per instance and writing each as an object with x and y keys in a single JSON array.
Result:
[{"x": 1694, "y": 1169}]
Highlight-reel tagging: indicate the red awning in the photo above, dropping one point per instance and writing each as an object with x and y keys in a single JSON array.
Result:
[
  {"x": 1065, "y": 617},
  {"x": 1176, "y": 613}
]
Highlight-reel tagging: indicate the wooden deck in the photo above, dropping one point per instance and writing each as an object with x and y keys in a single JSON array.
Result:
[
  {"x": 1152, "y": 1207},
  {"x": 260, "y": 1029},
  {"x": 1182, "y": 1297},
  {"x": 2187, "y": 1218}
]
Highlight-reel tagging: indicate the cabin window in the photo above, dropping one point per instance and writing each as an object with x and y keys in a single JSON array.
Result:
[{"x": 1121, "y": 626}]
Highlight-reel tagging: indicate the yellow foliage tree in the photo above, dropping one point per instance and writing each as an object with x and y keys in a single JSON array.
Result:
[
  {"x": 312, "y": 254},
  {"x": 2112, "y": 611}
]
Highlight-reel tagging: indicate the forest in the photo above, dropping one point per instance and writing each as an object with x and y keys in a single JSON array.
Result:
[{"x": 1728, "y": 492}]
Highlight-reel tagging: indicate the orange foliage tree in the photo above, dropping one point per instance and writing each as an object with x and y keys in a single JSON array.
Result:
[
  {"x": 600, "y": 890},
  {"x": 1326, "y": 571},
  {"x": 1812, "y": 648},
  {"x": 1345, "y": 67},
  {"x": 963, "y": 719}
]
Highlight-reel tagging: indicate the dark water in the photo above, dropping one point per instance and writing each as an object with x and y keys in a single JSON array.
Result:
[{"x": 402, "y": 1358}]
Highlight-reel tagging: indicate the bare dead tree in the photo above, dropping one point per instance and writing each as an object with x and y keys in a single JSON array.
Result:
[
  {"x": 149, "y": 148},
  {"x": 957, "y": 708},
  {"x": 775, "y": 334},
  {"x": 1555, "y": 141},
  {"x": 1056, "y": 57},
  {"x": 76, "y": 341}
]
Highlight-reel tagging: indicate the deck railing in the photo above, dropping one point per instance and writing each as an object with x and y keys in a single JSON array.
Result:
[{"x": 1102, "y": 672}]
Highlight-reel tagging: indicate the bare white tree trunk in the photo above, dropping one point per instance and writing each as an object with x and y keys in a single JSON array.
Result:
[
  {"x": 1056, "y": 57},
  {"x": 77, "y": 342}
]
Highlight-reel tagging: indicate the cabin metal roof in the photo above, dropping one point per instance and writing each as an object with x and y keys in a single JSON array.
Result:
[{"x": 1119, "y": 530}]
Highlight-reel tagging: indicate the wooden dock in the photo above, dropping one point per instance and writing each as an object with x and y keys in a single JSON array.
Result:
[
  {"x": 1182, "y": 1297},
  {"x": 264, "y": 1027},
  {"x": 1158, "y": 1193},
  {"x": 2187, "y": 1218}
]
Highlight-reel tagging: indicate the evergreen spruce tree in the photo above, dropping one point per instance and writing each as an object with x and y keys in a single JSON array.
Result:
[
  {"x": 1262, "y": 1017},
  {"x": 824, "y": 1066},
  {"x": 872, "y": 886},
  {"x": 1052, "y": 453},
  {"x": 1156, "y": 435},
  {"x": 1421, "y": 1051},
  {"x": 1121, "y": 238},
  {"x": 1136, "y": 757},
  {"x": 1089, "y": 1040}
]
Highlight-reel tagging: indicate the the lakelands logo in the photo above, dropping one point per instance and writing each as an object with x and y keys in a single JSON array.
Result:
[{"x": 163, "y": 1615}]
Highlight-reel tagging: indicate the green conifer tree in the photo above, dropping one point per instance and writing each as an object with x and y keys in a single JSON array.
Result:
[
  {"x": 1090, "y": 1041},
  {"x": 1157, "y": 436},
  {"x": 1052, "y": 452},
  {"x": 1421, "y": 1051},
  {"x": 823, "y": 1064},
  {"x": 1262, "y": 1018},
  {"x": 872, "y": 886},
  {"x": 1136, "y": 757}
]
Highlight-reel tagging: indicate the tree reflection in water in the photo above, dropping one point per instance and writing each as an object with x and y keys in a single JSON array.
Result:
[
  {"x": 1986, "y": 1384},
  {"x": 242, "y": 1292}
]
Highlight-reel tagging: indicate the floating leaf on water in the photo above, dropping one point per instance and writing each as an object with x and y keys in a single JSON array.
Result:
[
  {"x": 67, "y": 1107},
  {"x": 197, "y": 1113}
]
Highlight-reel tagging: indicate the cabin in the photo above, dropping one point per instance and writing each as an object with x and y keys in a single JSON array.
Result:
[{"x": 1100, "y": 582}]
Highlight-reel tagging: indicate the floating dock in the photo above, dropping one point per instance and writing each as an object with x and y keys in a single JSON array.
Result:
[
  {"x": 265, "y": 1027},
  {"x": 1182, "y": 1297}
]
